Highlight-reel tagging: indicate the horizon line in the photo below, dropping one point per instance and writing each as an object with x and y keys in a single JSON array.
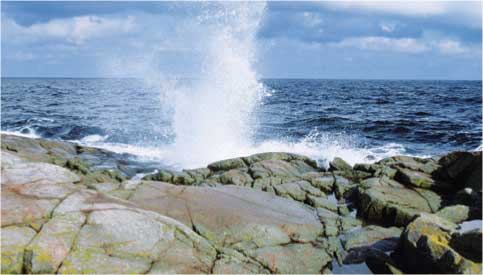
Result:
[{"x": 263, "y": 78}]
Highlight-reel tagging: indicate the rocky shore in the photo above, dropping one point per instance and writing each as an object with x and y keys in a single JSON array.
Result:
[{"x": 73, "y": 209}]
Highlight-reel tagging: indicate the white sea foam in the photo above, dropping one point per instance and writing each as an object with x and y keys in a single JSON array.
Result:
[
  {"x": 25, "y": 132},
  {"x": 93, "y": 139}
]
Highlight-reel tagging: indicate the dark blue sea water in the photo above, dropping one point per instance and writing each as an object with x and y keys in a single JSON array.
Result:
[{"x": 360, "y": 120}]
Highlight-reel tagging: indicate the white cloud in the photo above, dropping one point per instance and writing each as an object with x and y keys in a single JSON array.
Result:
[
  {"x": 75, "y": 30},
  {"x": 444, "y": 46},
  {"x": 420, "y": 8},
  {"x": 380, "y": 43},
  {"x": 21, "y": 56},
  {"x": 450, "y": 47},
  {"x": 464, "y": 12},
  {"x": 310, "y": 19},
  {"x": 388, "y": 27}
]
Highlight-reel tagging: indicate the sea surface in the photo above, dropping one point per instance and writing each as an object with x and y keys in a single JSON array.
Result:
[{"x": 358, "y": 120}]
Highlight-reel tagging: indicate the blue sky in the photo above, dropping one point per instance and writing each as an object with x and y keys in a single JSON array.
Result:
[{"x": 381, "y": 40}]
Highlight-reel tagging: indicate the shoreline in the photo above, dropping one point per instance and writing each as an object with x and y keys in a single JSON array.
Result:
[{"x": 268, "y": 212}]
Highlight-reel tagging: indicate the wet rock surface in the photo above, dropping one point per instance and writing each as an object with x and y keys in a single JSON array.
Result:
[{"x": 73, "y": 209}]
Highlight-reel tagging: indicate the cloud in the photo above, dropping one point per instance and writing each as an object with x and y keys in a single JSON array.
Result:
[
  {"x": 467, "y": 13},
  {"x": 444, "y": 46},
  {"x": 21, "y": 56},
  {"x": 310, "y": 19},
  {"x": 378, "y": 43},
  {"x": 393, "y": 7},
  {"x": 76, "y": 30},
  {"x": 410, "y": 8},
  {"x": 388, "y": 27},
  {"x": 451, "y": 47},
  {"x": 464, "y": 12}
]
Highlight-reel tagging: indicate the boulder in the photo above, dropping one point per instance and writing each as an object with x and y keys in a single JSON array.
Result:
[
  {"x": 425, "y": 248},
  {"x": 338, "y": 164},
  {"x": 361, "y": 241},
  {"x": 227, "y": 164},
  {"x": 392, "y": 206},
  {"x": 322, "y": 202},
  {"x": 381, "y": 263},
  {"x": 455, "y": 213},
  {"x": 323, "y": 181},
  {"x": 237, "y": 177},
  {"x": 468, "y": 244}
]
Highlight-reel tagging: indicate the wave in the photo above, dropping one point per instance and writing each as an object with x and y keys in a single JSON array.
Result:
[
  {"x": 24, "y": 132},
  {"x": 321, "y": 147},
  {"x": 93, "y": 138}
]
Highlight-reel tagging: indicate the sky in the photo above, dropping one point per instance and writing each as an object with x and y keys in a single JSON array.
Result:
[{"x": 331, "y": 39}]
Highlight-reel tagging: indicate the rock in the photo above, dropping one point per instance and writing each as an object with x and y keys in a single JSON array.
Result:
[
  {"x": 425, "y": 248},
  {"x": 273, "y": 168},
  {"x": 321, "y": 202},
  {"x": 297, "y": 190},
  {"x": 338, "y": 164},
  {"x": 233, "y": 262},
  {"x": 95, "y": 260},
  {"x": 474, "y": 174},
  {"x": 106, "y": 186},
  {"x": 290, "y": 190},
  {"x": 380, "y": 263},
  {"x": 279, "y": 156},
  {"x": 344, "y": 189},
  {"x": 468, "y": 244},
  {"x": 383, "y": 181},
  {"x": 162, "y": 175},
  {"x": 334, "y": 224},
  {"x": 467, "y": 196},
  {"x": 18, "y": 209},
  {"x": 415, "y": 178},
  {"x": 371, "y": 169},
  {"x": 22, "y": 172},
  {"x": 324, "y": 182},
  {"x": 392, "y": 206},
  {"x": 198, "y": 174},
  {"x": 455, "y": 163},
  {"x": 69, "y": 209},
  {"x": 230, "y": 214},
  {"x": 227, "y": 164},
  {"x": 455, "y": 213},
  {"x": 287, "y": 260},
  {"x": 59, "y": 153},
  {"x": 237, "y": 177},
  {"x": 361, "y": 241},
  {"x": 148, "y": 242},
  {"x": 14, "y": 241},
  {"x": 49, "y": 248}
]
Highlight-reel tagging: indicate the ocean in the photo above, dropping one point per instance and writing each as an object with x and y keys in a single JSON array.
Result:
[{"x": 187, "y": 123}]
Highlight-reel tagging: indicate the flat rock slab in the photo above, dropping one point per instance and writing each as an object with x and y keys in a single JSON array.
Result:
[
  {"x": 231, "y": 215},
  {"x": 14, "y": 240},
  {"x": 393, "y": 206},
  {"x": 18, "y": 171},
  {"x": 18, "y": 209}
]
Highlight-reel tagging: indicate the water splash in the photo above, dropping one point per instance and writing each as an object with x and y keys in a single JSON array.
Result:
[{"x": 213, "y": 118}]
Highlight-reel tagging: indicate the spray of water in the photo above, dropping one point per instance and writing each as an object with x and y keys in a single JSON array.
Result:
[{"x": 213, "y": 118}]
